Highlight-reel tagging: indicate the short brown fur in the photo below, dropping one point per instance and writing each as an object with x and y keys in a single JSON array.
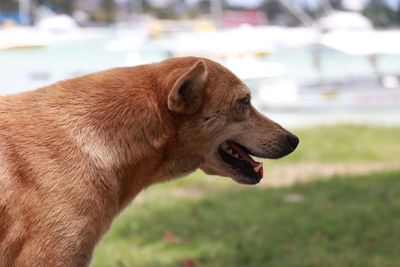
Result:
[{"x": 75, "y": 153}]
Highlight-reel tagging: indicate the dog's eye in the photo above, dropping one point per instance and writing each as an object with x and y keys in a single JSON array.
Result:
[{"x": 245, "y": 102}]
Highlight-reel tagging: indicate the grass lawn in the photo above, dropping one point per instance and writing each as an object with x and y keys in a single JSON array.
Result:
[
  {"x": 211, "y": 221},
  {"x": 347, "y": 143}
]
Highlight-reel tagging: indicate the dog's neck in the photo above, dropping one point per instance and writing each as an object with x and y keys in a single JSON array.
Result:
[{"x": 126, "y": 143}]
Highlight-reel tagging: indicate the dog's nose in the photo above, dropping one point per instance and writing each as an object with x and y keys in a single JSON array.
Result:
[{"x": 293, "y": 141}]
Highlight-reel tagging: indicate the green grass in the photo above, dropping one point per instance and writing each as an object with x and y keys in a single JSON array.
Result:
[
  {"x": 348, "y": 143},
  {"x": 340, "y": 222}
]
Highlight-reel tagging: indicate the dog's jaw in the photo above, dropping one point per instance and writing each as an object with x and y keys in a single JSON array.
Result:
[
  {"x": 235, "y": 154},
  {"x": 217, "y": 166}
]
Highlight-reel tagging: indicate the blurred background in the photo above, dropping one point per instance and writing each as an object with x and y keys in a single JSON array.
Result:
[
  {"x": 329, "y": 70},
  {"x": 334, "y": 57}
]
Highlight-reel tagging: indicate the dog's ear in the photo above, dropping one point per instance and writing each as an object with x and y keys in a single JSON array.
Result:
[{"x": 187, "y": 93}]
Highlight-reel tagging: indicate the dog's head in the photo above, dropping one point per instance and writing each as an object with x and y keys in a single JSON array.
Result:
[{"x": 217, "y": 122}]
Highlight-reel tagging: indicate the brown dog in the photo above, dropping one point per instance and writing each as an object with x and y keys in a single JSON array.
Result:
[{"x": 74, "y": 154}]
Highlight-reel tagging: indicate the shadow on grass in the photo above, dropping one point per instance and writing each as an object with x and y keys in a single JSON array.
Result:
[{"x": 341, "y": 222}]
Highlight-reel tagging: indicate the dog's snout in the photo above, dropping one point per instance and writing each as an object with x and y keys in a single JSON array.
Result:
[{"x": 293, "y": 141}]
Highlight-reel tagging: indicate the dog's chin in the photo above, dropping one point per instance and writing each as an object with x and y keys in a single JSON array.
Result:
[
  {"x": 245, "y": 179},
  {"x": 218, "y": 167}
]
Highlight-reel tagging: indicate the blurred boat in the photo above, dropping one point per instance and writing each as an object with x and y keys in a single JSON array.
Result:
[
  {"x": 59, "y": 27},
  {"x": 23, "y": 38},
  {"x": 45, "y": 32},
  {"x": 349, "y": 33},
  {"x": 371, "y": 42},
  {"x": 352, "y": 33},
  {"x": 245, "y": 58},
  {"x": 357, "y": 93}
]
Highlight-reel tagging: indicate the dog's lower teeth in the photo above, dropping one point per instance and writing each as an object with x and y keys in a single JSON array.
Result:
[{"x": 257, "y": 168}]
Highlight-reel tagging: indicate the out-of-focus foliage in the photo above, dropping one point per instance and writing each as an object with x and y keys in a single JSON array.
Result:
[
  {"x": 379, "y": 12},
  {"x": 8, "y": 6}
]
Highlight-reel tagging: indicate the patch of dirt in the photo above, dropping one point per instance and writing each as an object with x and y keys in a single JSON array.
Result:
[
  {"x": 305, "y": 172},
  {"x": 284, "y": 176},
  {"x": 188, "y": 192}
]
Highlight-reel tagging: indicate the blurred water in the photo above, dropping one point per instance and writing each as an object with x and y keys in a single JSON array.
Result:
[
  {"x": 32, "y": 68},
  {"x": 334, "y": 65},
  {"x": 27, "y": 69}
]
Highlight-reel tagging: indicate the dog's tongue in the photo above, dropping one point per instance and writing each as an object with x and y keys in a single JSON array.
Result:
[{"x": 258, "y": 168}]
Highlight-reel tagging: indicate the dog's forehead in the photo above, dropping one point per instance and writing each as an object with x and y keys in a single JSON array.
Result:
[
  {"x": 229, "y": 93},
  {"x": 243, "y": 90},
  {"x": 225, "y": 84},
  {"x": 239, "y": 90}
]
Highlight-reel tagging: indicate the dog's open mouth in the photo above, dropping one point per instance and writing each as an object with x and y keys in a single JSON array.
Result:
[{"x": 237, "y": 156}]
